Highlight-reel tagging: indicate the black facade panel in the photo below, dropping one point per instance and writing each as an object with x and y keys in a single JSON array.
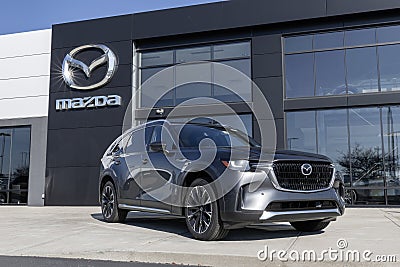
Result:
[
  {"x": 103, "y": 30},
  {"x": 81, "y": 147},
  {"x": 267, "y": 65},
  {"x": 392, "y": 98},
  {"x": 223, "y": 15},
  {"x": 272, "y": 88},
  {"x": 78, "y": 138},
  {"x": 71, "y": 186},
  {"x": 267, "y": 44},
  {"x": 339, "y": 7}
]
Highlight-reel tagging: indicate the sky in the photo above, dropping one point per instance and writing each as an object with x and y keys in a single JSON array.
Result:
[{"x": 27, "y": 15}]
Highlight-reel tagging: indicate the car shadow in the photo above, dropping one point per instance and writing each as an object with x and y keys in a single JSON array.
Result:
[{"x": 177, "y": 225}]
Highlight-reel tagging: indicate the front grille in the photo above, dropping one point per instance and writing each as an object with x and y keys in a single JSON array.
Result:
[
  {"x": 301, "y": 205},
  {"x": 290, "y": 177}
]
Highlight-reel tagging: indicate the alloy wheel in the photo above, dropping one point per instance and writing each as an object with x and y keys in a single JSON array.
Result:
[
  {"x": 199, "y": 209},
  {"x": 108, "y": 201}
]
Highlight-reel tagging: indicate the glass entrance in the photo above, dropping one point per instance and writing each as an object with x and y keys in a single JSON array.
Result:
[{"x": 14, "y": 164}]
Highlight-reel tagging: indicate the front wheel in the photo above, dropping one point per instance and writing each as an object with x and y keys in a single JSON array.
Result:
[
  {"x": 109, "y": 205},
  {"x": 310, "y": 226},
  {"x": 202, "y": 214}
]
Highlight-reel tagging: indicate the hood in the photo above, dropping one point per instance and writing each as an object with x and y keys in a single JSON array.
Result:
[{"x": 257, "y": 153}]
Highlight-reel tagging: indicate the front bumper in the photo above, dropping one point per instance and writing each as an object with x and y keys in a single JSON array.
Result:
[{"x": 250, "y": 201}]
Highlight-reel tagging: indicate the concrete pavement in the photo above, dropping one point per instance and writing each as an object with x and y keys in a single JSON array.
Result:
[{"x": 79, "y": 232}]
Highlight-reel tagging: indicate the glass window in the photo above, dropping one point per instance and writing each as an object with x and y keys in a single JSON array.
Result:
[
  {"x": 328, "y": 40},
  {"x": 330, "y": 73},
  {"x": 161, "y": 135},
  {"x": 389, "y": 67},
  {"x": 366, "y": 161},
  {"x": 301, "y": 131},
  {"x": 362, "y": 73},
  {"x": 391, "y": 134},
  {"x": 242, "y": 85},
  {"x": 333, "y": 137},
  {"x": 200, "y": 72},
  {"x": 299, "y": 73},
  {"x": 193, "y": 54},
  {"x": 360, "y": 37},
  {"x": 157, "y": 58},
  {"x": 14, "y": 165},
  {"x": 232, "y": 50},
  {"x": 388, "y": 34},
  {"x": 158, "y": 91},
  {"x": 298, "y": 43}
]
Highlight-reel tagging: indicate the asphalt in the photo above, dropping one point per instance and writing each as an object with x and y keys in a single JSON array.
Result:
[{"x": 79, "y": 233}]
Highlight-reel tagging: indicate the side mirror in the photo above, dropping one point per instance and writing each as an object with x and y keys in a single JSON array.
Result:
[{"x": 157, "y": 147}]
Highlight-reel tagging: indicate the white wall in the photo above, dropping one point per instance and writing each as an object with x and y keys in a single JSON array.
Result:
[{"x": 24, "y": 74}]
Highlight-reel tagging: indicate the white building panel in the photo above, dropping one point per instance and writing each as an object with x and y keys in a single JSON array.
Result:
[
  {"x": 24, "y": 87},
  {"x": 26, "y": 66},
  {"x": 24, "y": 74},
  {"x": 26, "y": 107},
  {"x": 25, "y": 43}
]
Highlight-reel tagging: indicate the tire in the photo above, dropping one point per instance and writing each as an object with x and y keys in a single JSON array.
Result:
[
  {"x": 202, "y": 217},
  {"x": 310, "y": 226},
  {"x": 109, "y": 205}
]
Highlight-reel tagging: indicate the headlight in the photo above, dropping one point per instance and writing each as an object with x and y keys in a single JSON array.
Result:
[{"x": 237, "y": 165}]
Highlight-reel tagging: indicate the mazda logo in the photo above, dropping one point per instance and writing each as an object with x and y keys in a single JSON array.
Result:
[
  {"x": 306, "y": 169},
  {"x": 70, "y": 64}
]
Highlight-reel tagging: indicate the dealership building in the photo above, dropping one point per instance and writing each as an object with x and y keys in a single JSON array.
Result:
[{"x": 329, "y": 69}]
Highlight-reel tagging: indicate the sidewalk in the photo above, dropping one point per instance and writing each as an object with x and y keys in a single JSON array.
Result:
[{"x": 78, "y": 232}]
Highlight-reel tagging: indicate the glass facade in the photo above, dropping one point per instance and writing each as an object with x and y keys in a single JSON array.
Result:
[
  {"x": 176, "y": 63},
  {"x": 342, "y": 62},
  {"x": 363, "y": 144},
  {"x": 14, "y": 164}
]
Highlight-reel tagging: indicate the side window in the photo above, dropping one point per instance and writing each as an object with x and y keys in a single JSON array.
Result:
[
  {"x": 120, "y": 145},
  {"x": 136, "y": 142},
  {"x": 158, "y": 136}
]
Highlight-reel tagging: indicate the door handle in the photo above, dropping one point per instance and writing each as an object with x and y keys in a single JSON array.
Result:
[
  {"x": 116, "y": 161},
  {"x": 145, "y": 161}
]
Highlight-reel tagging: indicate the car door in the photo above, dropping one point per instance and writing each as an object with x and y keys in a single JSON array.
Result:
[
  {"x": 158, "y": 172},
  {"x": 131, "y": 160}
]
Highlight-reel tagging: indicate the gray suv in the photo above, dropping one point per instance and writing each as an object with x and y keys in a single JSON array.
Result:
[{"x": 160, "y": 167}]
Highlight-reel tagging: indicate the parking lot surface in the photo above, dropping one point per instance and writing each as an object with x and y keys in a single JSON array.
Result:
[{"x": 80, "y": 233}]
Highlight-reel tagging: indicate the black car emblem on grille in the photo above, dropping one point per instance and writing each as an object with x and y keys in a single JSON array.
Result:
[{"x": 306, "y": 169}]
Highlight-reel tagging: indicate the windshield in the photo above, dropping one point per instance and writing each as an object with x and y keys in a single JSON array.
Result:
[{"x": 192, "y": 135}]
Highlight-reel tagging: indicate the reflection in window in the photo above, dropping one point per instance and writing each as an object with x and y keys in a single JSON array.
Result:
[
  {"x": 193, "y": 54},
  {"x": 299, "y": 43},
  {"x": 333, "y": 137},
  {"x": 362, "y": 72},
  {"x": 14, "y": 165},
  {"x": 157, "y": 91},
  {"x": 360, "y": 37},
  {"x": 299, "y": 75},
  {"x": 328, "y": 40},
  {"x": 301, "y": 131},
  {"x": 391, "y": 133},
  {"x": 365, "y": 148},
  {"x": 157, "y": 58},
  {"x": 241, "y": 85},
  {"x": 166, "y": 88},
  {"x": 389, "y": 66},
  {"x": 236, "y": 50},
  {"x": 330, "y": 73},
  {"x": 388, "y": 34}
]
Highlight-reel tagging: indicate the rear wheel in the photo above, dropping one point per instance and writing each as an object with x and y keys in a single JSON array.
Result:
[
  {"x": 310, "y": 226},
  {"x": 109, "y": 205},
  {"x": 202, "y": 215}
]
